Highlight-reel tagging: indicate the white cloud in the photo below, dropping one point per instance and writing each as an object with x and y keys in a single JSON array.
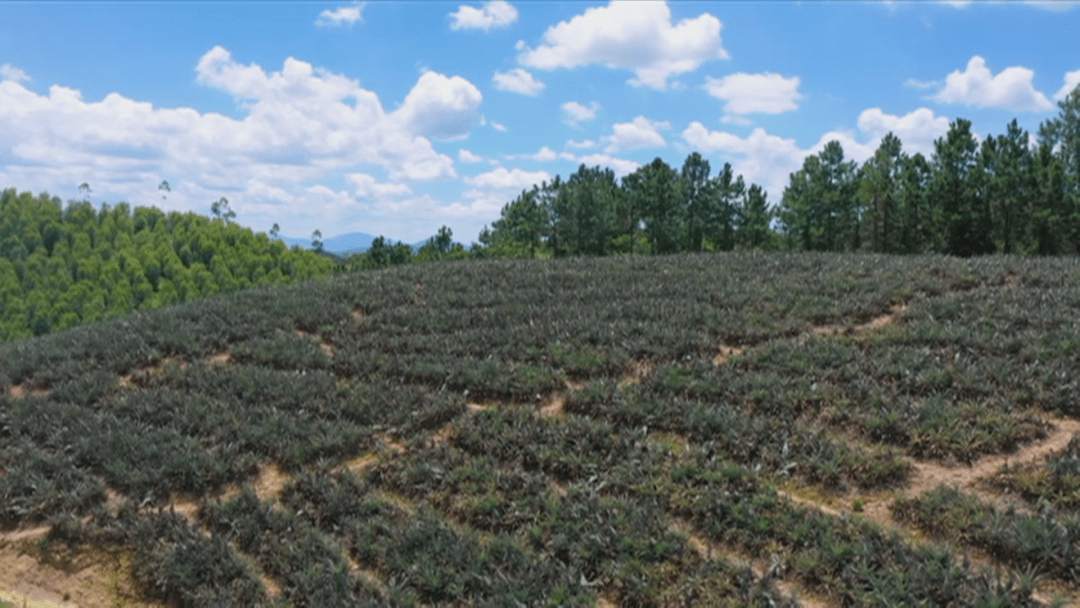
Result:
[
  {"x": 468, "y": 157},
  {"x": 498, "y": 126},
  {"x": 912, "y": 83},
  {"x": 620, "y": 166},
  {"x": 766, "y": 93},
  {"x": 501, "y": 179},
  {"x": 769, "y": 160},
  {"x": 917, "y": 130},
  {"x": 736, "y": 120},
  {"x": 584, "y": 144},
  {"x": 1057, "y": 6},
  {"x": 298, "y": 127},
  {"x": 635, "y": 36},
  {"x": 441, "y": 107},
  {"x": 368, "y": 187},
  {"x": 10, "y": 72},
  {"x": 977, "y": 86},
  {"x": 543, "y": 155},
  {"x": 576, "y": 112},
  {"x": 1072, "y": 80},
  {"x": 637, "y": 134},
  {"x": 517, "y": 80},
  {"x": 496, "y": 13},
  {"x": 343, "y": 15}
]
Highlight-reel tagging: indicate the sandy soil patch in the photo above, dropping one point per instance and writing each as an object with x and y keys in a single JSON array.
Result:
[
  {"x": 554, "y": 406},
  {"x": 220, "y": 359},
  {"x": 32, "y": 578},
  {"x": 725, "y": 352},
  {"x": 873, "y": 324},
  {"x": 19, "y": 391},
  {"x": 639, "y": 370}
]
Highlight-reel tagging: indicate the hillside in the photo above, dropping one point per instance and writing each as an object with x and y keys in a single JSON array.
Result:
[
  {"x": 728, "y": 429},
  {"x": 64, "y": 265}
]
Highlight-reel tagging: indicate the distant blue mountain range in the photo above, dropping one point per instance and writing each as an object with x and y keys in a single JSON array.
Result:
[{"x": 343, "y": 244}]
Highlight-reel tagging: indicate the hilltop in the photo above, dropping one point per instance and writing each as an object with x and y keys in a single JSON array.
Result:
[
  {"x": 723, "y": 429},
  {"x": 64, "y": 265}
]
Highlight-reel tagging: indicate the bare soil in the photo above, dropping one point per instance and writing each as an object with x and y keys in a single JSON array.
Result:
[{"x": 37, "y": 577}]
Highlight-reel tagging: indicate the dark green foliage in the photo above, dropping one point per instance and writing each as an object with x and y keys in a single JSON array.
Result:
[{"x": 658, "y": 438}]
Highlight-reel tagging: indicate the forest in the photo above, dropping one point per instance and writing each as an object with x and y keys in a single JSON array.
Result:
[
  {"x": 1009, "y": 193},
  {"x": 65, "y": 265}
]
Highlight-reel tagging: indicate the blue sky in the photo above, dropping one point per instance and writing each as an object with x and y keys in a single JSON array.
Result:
[{"x": 398, "y": 117}]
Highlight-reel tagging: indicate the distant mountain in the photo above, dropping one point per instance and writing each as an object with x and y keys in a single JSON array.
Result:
[{"x": 345, "y": 244}]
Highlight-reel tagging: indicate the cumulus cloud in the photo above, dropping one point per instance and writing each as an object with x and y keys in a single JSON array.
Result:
[
  {"x": 635, "y": 36},
  {"x": 441, "y": 107},
  {"x": 468, "y": 157},
  {"x": 736, "y": 120},
  {"x": 498, "y": 126},
  {"x": 368, "y": 187},
  {"x": 584, "y": 144},
  {"x": 768, "y": 160},
  {"x": 917, "y": 130},
  {"x": 298, "y": 126},
  {"x": 766, "y": 93},
  {"x": 343, "y": 15},
  {"x": 503, "y": 179},
  {"x": 10, "y": 72},
  {"x": 639, "y": 133},
  {"x": 1009, "y": 90},
  {"x": 620, "y": 166},
  {"x": 496, "y": 13},
  {"x": 576, "y": 112},
  {"x": 543, "y": 155},
  {"x": 1072, "y": 80},
  {"x": 517, "y": 80}
]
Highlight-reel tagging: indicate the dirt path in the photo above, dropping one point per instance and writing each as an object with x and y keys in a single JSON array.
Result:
[
  {"x": 711, "y": 551},
  {"x": 929, "y": 475}
]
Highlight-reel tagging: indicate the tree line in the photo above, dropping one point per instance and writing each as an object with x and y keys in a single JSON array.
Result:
[{"x": 1004, "y": 194}]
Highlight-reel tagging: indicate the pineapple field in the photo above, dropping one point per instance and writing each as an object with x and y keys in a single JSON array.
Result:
[{"x": 738, "y": 429}]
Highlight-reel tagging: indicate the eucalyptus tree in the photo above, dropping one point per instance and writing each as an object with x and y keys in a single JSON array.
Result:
[{"x": 221, "y": 210}]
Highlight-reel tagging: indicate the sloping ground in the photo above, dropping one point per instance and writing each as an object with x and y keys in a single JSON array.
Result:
[{"x": 585, "y": 432}]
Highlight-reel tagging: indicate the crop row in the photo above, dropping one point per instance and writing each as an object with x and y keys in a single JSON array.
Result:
[
  {"x": 191, "y": 429},
  {"x": 615, "y": 513},
  {"x": 1036, "y": 543},
  {"x": 1055, "y": 481}
]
